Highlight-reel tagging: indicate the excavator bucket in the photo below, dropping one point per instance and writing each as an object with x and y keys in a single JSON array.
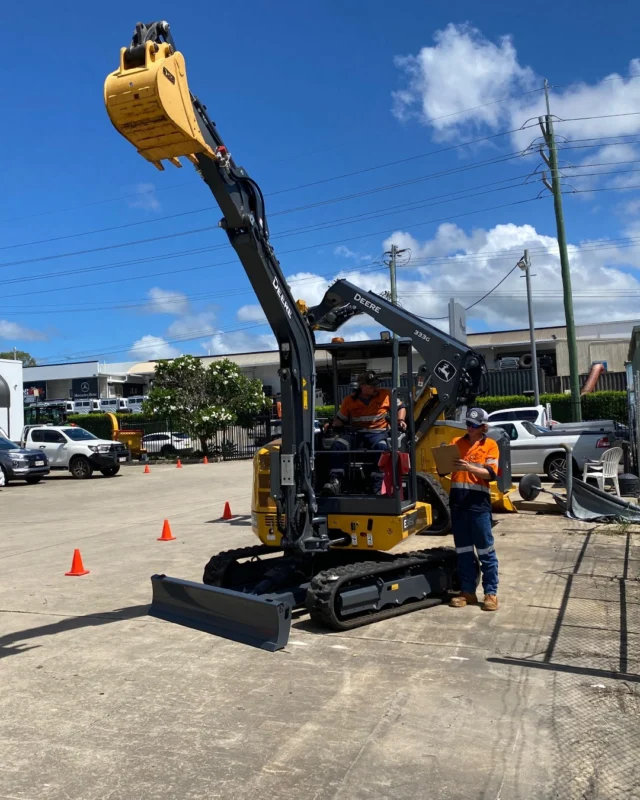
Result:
[
  {"x": 149, "y": 103},
  {"x": 259, "y": 620}
]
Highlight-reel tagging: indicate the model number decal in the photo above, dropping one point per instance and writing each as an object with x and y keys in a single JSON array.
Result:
[{"x": 421, "y": 335}]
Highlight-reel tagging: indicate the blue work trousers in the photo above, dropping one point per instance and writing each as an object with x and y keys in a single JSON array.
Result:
[
  {"x": 472, "y": 530},
  {"x": 361, "y": 440}
]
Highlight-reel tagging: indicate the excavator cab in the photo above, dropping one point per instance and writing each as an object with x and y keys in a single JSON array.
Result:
[{"x": 379, "y": 480}]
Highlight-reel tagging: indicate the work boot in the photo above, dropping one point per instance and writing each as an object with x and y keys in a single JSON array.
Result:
[
  {"x": 490, "y": 603},
  {"x": 464, "y": 599},
  {"x": 332, "y": 487}
]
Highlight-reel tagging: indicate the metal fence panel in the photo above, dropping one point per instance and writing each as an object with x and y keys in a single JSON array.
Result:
[
  {"x": 513, "y": 381},
  {"x": 165, "y": 438}
]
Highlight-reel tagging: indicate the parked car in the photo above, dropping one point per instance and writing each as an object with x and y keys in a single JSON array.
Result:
[
  {"x": 20, "y": 464},
  {"x": 538, "y": 449},
  {"x": 74, "y": 449},
  {"x": 536, "y": 414},
  {"x": 167, "y": 444}
]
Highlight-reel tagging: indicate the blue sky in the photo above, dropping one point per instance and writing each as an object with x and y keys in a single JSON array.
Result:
[{"x": 98, "y": 248}]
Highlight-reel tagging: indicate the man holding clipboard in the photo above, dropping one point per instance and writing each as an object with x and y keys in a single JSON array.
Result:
[{"x": 470, "y": 503}]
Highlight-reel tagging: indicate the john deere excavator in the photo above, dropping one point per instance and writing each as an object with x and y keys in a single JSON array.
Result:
[{"x": 328, "y": 554}]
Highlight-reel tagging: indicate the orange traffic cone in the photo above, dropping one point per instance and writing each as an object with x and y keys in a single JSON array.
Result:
[
  {"x": 179, "y": 464},
  {"x": 226, "y": 514},
  {"x": 205, "y": 460},
  {"x": 146, "y": 470},
  {"x": 167, "y": 536},
  {"x": 77, "y": 567}
]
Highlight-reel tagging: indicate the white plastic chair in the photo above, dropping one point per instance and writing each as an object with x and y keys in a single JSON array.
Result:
[{"x": 606, "y": 468}]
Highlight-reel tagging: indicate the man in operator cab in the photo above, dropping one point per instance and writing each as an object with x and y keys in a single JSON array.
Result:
[{"x": 366, "y": 411}]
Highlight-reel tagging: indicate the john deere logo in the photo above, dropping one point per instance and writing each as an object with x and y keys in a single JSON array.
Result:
[
  {"x": 445, "y": 370},
  {"x": 169, "y": 75}
]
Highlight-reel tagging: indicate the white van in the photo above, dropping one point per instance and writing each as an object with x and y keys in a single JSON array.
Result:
[
  {"x": 135, "y": 403},
  {"x": 90, "y": 406},
  {"x": 114, "y": 404}
]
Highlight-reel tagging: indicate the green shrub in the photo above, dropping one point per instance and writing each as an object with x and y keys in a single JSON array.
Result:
[
  {"x": 597, "y": 405},
  {"x": 327, "y": 412},
  {"x": 97, "y": 424}
]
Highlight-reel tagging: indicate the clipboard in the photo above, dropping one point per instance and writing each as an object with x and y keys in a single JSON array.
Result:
[{"x": 444, "y": 456}]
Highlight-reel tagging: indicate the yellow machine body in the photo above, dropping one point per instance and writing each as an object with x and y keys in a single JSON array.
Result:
[
  {"x": 366, "y": 532},
  {"x": 445, "y": 434},
  {"x": 151, "y": 107}
]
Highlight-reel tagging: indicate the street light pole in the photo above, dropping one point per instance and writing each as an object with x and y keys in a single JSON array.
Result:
[{"x": 525, "y": 265}]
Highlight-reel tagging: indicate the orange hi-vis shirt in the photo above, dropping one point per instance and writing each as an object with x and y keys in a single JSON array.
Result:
[
  {"x": 371, "y": 415},
  {"x": 468, "y": 490}
]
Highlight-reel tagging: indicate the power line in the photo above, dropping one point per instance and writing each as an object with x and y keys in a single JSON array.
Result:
[
  {"x": 384, "y": 188},
  {"x": 310, "y": 229}
]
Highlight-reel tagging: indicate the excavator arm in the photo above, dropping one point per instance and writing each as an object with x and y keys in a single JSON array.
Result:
[
  {"x": 453, "y": 371},
  {"x": 149, "y": 102}
]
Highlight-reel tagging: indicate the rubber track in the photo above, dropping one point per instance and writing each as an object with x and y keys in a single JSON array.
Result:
[
  {"x": 214, "y": 572},
  {"x": 443, "y": 497},
  {"x": 323, "y": 592}
]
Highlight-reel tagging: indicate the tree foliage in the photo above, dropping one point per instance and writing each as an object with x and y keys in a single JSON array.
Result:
[
  {"x": 204, "y": 400},
  {"x": 20, "y": 355}
]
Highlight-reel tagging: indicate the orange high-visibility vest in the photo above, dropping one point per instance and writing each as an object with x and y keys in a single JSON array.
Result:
[{"x": 373, "y": 415}]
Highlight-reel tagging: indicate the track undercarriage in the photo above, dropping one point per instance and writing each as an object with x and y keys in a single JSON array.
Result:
[{"x": 340, "y": 589}]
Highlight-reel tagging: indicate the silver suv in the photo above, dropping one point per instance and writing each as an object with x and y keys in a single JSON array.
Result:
[{"x": 18, "y": 464}]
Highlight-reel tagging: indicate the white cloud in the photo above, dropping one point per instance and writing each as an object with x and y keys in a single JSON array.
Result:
[
  {"x": 353, "y": 255},
  {"x": 167, "y": 301},
  {"x": 239, "y": 342},
  {"x": 464, "y": 70},
  {"x": 144, "y": 197},
  {"x": 15, "y": 332},
  {"x": 151, "y": 347},
  {"x": 251, "y": 313},
  {"x": 192, "y": 325},
  {"x": 603, "y": 280}
]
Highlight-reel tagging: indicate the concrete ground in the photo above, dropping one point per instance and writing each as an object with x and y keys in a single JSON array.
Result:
[{"x": 540, "y": 700}]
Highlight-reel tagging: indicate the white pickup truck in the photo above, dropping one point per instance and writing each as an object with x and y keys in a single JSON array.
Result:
[
  {"x": 71, "y": 448},
  {"x": 537, "y": 449}
]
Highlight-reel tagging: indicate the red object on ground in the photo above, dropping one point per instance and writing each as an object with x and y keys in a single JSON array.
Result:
[
  {"x": 404, "y": 465},
  {"x": 77, "y": 567},
  {"x": 179, "y": 464},
  {"x": 167, "y": 536},
  {"x": 205, "y": 460},
  {"x": 226, "y": 514},
  {"x": 146, "y": 470}
]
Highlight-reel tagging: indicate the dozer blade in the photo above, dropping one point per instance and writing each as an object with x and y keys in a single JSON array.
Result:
[
  {"x": 258, "y": 620},
  {"x": 150, "y": 104}
]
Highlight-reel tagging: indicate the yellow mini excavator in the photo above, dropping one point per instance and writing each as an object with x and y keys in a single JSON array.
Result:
[{"x": 326, "y": 552}]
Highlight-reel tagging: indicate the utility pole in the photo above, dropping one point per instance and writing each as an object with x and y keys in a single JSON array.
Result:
[
  {"x": 391, "y": 263},
  {"x": 546, "y": 125},
  {"x": 525, "y": 265}
]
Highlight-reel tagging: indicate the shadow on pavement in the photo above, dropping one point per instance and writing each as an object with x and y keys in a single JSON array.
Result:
[
  {"x": 11, "y": 643},
  {"x": 581, "y": 644},
  {"x": 239, "y": 519}
]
